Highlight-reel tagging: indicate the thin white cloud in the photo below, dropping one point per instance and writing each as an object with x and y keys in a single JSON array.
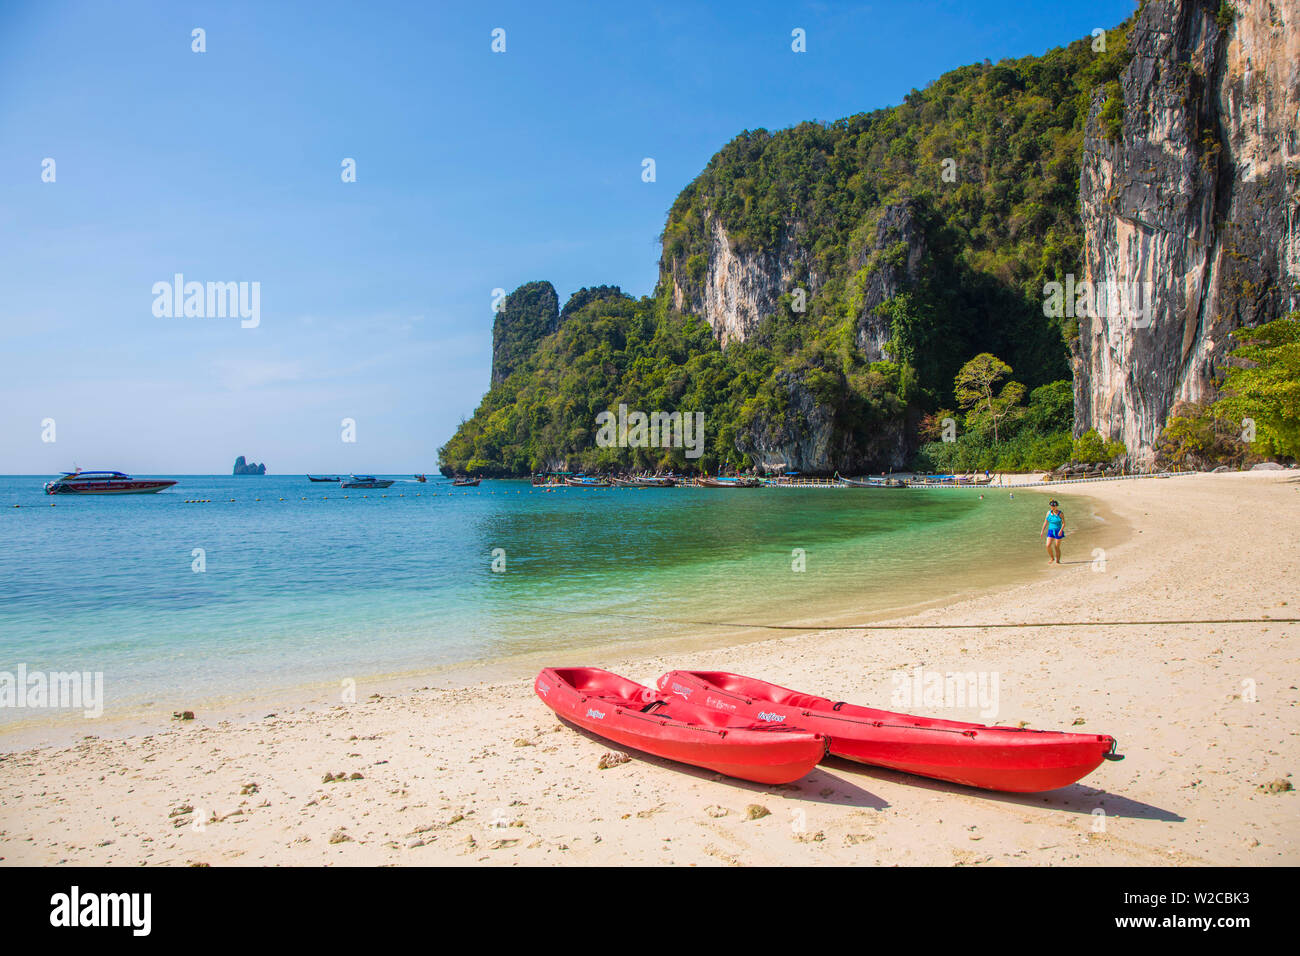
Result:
[{"x": 240, "y": 374}]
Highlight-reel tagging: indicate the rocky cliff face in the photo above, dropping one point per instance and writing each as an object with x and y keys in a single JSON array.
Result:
[
  {"x": 807, "y": 436},
  {"x": 526, "y": 316},
  {"x": 741, "y": 287},
  {"x": 886, "y": 269},
  {"x": 1192, "y": 215}
]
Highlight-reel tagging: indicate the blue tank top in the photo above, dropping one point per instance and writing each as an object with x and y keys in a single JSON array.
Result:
[{"x": 1054, "y": 521}]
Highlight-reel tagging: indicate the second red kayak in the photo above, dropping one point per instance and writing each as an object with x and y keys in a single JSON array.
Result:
[
  {"x": 994, "y": 758},
  {"x": 636, "y": 716}
]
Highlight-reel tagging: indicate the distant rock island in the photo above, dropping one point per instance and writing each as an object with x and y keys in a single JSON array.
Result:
[{"x": 248, "y": 467}]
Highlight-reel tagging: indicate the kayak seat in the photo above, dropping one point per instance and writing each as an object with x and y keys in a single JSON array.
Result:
[
  {"x": 762, "y": 691},
  {"x": 793, "y": 698}
]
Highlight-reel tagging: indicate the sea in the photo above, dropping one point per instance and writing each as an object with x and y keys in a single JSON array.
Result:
[{"x": 251, "y": 584}]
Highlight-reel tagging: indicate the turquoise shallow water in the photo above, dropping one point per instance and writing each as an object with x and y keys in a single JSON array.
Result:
[{"x": 299, "y": 591}]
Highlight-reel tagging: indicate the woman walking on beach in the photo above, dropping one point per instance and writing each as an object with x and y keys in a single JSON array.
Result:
[{"x": 1054, "y": 528}]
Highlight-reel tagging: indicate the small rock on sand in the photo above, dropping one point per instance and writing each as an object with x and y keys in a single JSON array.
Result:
[
  {"x": 1280, "y": 785},
  {"x": 612, "y": 758},
  {"x": 756, "y": 811}
]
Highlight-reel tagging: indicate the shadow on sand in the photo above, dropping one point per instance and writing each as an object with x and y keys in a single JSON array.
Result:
[
  {"x": 822, "y": 787},
  {"x": 817, "y": 787},
  {"x": 1076, "y": 798}
]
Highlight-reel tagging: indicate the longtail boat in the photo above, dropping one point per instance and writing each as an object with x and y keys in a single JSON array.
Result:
[
  {"x": 645, "y": 481},
  {"x": 948, "y": 481},
  {"x": 871, "y": 482},
  {"x": 582, "y": 481},
  {"x": 729, "y": 483}
]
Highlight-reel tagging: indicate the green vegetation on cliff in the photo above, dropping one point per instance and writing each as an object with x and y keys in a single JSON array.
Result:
[
  {"x": 987, "y": 154},
  {"x": 527, "y": 316},
  {"x": 1257, "y": 413},
  {"x": 914, "y": 238},
  {"x": 609, "y": 350}
]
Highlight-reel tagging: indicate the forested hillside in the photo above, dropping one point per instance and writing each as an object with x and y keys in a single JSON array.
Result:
[{"x": 862, "y": 264}]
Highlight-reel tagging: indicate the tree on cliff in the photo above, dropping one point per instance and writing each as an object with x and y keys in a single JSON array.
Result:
[{"x": 974, "y": 393}]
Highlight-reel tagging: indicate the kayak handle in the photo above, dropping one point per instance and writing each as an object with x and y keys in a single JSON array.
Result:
[
  {"x": 1111, "y": 754},
  {"x": 838, "y": 706}
]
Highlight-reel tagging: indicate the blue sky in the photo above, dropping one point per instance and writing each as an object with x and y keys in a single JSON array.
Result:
[{"x": 475, "y": 170}]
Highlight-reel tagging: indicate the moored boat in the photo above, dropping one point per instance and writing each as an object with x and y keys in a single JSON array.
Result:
[
  {"x": 636, "y": 716},
  {"x": 334, "y": 478},
  {"x": 465, "y": 482},
  {"x": 645, "y": 481},
  {"x": 104, "y": 483},
  {"x": 949, "y": 481},
  {"x": 582, "y": 481},
  {"x": 871, "y": 482},
  {"x": 707, "y": 482},
  {"x": 1012, "y": 759},
  {"x": 366, "y": 481}
]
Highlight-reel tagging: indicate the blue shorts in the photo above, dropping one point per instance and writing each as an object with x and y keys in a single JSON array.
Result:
[{"x": 1056, "y": 534}]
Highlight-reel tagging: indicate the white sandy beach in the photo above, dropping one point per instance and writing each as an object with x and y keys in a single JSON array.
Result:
[{"x": 1206, "y": 715}]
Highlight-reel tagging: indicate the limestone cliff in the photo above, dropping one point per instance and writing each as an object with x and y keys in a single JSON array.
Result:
[
  {"x": 889, "y": 267},
  {"x": 525, "y": 317},
  {"x": 740, "y": 287},
  {"x": 1192, "y": 210},
  {"x": 810, "y": 434}
]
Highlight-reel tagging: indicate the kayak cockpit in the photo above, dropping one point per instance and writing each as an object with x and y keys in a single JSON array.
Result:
[{"x": 757, "y": 690}]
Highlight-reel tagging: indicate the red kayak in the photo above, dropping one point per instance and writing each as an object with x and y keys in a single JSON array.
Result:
[
  {"x": 995, "y": 758},
  {"x": 635, "y": 716}
]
